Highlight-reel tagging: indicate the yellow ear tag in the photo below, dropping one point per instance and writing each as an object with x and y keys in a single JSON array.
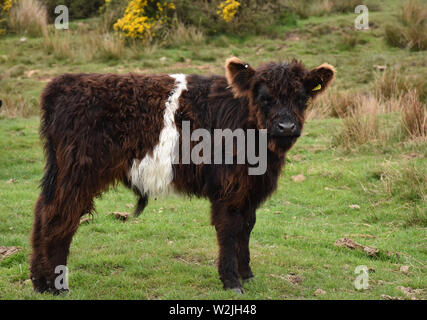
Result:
[{"x": 317, "y": 88}]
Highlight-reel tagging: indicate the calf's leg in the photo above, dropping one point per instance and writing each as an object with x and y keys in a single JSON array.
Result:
[
  {"x": 54, "y": 226},
  {"x": 243, "y": 252},
  {"x": 228, "y": 226}
]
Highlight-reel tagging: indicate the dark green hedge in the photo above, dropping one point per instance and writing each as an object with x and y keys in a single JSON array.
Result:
[{"x": 78, "y": 9}]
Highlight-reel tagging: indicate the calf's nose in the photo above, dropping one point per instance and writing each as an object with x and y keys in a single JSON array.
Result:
[{"x": 288, "y": 128}]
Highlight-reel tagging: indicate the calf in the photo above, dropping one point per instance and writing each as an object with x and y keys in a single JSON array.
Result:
[{"x": 99, "y": 129}]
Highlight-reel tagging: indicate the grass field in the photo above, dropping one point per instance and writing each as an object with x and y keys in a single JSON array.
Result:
[{"x": 374, "y": 193}]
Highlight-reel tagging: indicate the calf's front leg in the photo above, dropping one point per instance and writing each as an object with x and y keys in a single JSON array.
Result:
[
  {"x": 228, "y": 225},
  {"x": 243, "y": 253}
]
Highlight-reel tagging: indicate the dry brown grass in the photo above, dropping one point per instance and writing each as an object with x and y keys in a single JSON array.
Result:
[
  {"x": 414, "y": 13},
  {"x": 406, "y": 180},
  {"x": 58, "y": 43},
  {"x": 104, "y": 46},
  {"x": 17, "y": 106},
  {"x": 323, "y": 7},
  {"x": 361, "y": 125},
  {"x": 67, "y": 44},
  {"x": 184, "y": 34},
  {"x": 29, "y": 17},
  {"x": 336, "y": 104},
  {"x": 412, "y": 31},
  {"x": 414, "y": 116},
  {"x": 390, "y": 84}
]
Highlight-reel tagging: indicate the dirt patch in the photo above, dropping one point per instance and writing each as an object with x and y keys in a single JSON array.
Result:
[
  {"x": 298, "y": 178},
  {"x": 410, "y": 293},
  {"x": 123, "y": 216},
  {"x": 8, "y": 251},
  {"x": 351, "y": 244},
  {"x": 188, "y": 259}
]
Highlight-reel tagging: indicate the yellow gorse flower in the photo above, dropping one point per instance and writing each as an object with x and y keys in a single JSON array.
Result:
[
  {"x": 136, "y": 22},
  {"x": 228, "y": 9},
  {"x": 6, "y": 5}
]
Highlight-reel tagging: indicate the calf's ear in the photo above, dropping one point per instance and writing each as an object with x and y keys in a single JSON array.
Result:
[
  {"x": 239, "y": 75},
  {"x": 318, "y": 79}
]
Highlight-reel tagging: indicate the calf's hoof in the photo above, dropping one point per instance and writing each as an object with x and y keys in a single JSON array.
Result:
[
  {"x": 57, "y": 292},
  {"x": 42, "y": 285},
  {"x": 238, "y": 290},
  {"x": 39, "y": 284}
]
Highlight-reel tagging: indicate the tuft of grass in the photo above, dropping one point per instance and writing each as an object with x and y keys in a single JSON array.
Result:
[
  {"x": 407, "y": 182},
  {"x": 15, "y": 106},
  {"x": 414, "y": 116},
  {"x": 414, "y": 13},
  {"x": 58, "y": 44},
  {"x": 107, "y": 46},
  {"x": 29, "y": 17},
  {"x": 182, "y": 34},
  {"x": 361, "y": 125},
  {"x": 418, "y": 217},
  {"x": 308, "y": 8},
  {"x": 395, "y": 36},
  {"x": 390, "y": 84},
  {"x": 84, "y": 47},
  {"x": 412, "y": 30},
  {"x": 336, "y": 104}
]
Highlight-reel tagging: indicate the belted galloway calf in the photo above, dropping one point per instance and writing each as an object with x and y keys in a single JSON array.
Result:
[{"x": 100, "y": 129}]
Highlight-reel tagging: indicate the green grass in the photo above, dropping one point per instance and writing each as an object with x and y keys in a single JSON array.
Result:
[{"x": 170, "y": 251}]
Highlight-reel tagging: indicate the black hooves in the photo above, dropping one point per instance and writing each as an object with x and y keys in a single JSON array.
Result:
[{"x": 238, "y": 290}]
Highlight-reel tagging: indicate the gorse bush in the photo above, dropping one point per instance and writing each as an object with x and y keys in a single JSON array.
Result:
[
  {"x": 5, "y": 6},
  {"x": 143, "y": 18},
  {"x": 228, "y": 9}
]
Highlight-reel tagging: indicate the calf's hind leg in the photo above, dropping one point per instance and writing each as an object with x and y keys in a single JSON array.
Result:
[{"x": 54, "y": 226}]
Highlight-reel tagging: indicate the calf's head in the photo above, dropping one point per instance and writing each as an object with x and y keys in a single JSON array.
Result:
[{"x": 278, "y": 94}]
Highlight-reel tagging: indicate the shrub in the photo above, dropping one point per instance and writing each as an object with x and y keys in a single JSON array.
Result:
[
  {"x": 78, "y": 9},
  {"x": 143, "y": 18},
  {"x": 111, "y": 11},
  {"x": 227, "y": 9},
  {"x": 5, "y": 6},
  {"x": 28, "y": 17}
]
